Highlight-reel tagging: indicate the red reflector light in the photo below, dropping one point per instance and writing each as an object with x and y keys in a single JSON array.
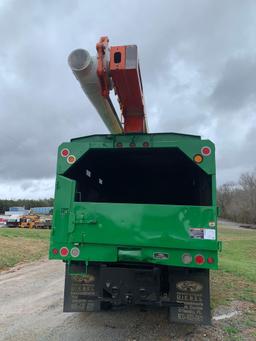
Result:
[
  {"x": 64, "y": 152},
  {"x": 145, "y": 144},
  {"x": 210, "y": 260},
  {"x": 132, "y": 145},
  {"x": 199, "y": 259},
  {"x": 119, "y": 145},
  {"x": 64, "y": 251},
  {"x": 55, "y": 251},
  {"x": 206, "y": 151}
]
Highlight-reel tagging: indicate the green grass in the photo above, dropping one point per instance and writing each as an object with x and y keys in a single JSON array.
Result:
[
  {"x": 238, "y": 254},
  {"x": 24, "y": 233},
  {"x": 236, "y": 282},
  {"x": 236, "y": 279},
  {"x": 22, "y": 245},
  {"x": 230, "y": 330}
]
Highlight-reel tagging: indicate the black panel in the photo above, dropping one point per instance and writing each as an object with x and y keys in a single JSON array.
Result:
[{"x": 130, "y": 285}]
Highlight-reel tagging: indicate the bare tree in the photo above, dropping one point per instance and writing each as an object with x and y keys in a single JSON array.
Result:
[{"x": 238, "y": 201}]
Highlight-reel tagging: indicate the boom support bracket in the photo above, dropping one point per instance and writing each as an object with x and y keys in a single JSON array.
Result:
[{"x": 102, "y": 67}]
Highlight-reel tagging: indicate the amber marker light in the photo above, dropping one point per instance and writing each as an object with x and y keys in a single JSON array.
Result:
[
  {"x": 71, "y": 159},
  {"x": 198, "y": 158}
]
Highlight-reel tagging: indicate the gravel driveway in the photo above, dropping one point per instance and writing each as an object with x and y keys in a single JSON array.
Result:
[{"x": 31, "y": 299}]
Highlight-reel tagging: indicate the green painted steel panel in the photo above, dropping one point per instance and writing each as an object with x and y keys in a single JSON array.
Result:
[{"x": 141, "y": 225}]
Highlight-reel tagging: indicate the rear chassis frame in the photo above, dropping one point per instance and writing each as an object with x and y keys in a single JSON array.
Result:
[{"x": 101, "y": 286}]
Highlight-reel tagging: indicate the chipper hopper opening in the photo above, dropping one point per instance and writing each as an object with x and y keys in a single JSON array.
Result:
[{"x": 142, "y": 176}]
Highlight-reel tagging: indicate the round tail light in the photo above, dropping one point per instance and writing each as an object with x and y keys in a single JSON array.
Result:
[
  {"x": 199, "y": 259},
  {"x": 198, "y": 158},
  {"x": 71, "y": 159},
  {"x": 206, "y": 151},
  {"x": 55, "y": 251},
  {"x": 75, "y": 252},
  {"x": 210, "y": 260},
  {"x": 64, "y": 152},
  {"x": 64, "y": 251},
  {"x": 186, "y": 258}
]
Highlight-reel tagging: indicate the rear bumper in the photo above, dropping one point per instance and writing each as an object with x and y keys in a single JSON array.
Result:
[{"x": 112, "y": 253}]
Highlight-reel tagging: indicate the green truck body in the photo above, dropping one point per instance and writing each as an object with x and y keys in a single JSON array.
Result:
[{"x": 137, "y": 200}]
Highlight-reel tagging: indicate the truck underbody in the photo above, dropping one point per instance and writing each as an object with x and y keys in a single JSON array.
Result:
[{"x": 101, "y": 286}]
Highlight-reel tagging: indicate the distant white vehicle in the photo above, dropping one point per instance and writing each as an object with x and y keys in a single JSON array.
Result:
[{"x": 13, "y": 221}]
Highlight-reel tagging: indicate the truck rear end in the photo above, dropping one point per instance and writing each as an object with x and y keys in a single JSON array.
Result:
[{"x": 135, "y": 221}]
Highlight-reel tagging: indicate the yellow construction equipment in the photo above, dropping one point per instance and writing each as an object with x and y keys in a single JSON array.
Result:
[{"x": 29, "y": 221}]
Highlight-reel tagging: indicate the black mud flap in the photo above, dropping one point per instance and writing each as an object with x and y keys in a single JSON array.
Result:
[
  {"x": 81, "y": 289},
  {"x": 191, "y": 289}
]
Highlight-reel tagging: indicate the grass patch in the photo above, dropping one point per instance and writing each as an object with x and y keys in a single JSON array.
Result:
[
  {"x": 238, "y": 252},
  {"x": 24, "y": 233},
  {"x": 236, "y": 279},
  {"x": 22, "y": 245},
  {"x": 230, "y": 330},
  {"x": 227, "y": 287}
]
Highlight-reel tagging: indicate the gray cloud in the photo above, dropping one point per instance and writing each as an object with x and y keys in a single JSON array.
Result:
[
  {"x": 236, "y": 87},
  {"x": 198, "y": 66}
]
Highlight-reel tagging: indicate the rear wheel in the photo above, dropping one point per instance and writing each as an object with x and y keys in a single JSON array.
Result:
[{"x": 106, "y": 306}]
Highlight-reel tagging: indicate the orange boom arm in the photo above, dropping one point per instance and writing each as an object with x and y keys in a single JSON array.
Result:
[{"x": 118, "y": 67}]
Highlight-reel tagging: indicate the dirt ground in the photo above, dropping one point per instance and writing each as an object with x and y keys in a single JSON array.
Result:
[{"x": 31, "y": 298}]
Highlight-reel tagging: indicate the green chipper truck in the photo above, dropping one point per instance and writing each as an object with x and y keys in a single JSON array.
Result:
[{"x": 135, "y": 216}]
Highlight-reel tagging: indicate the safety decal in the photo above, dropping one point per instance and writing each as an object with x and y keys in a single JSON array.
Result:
[{"x": 202, "y": 233}]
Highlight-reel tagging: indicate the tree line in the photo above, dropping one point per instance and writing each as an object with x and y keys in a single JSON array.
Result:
[
  {"x": 237, "y": 201},
  {"x": 6, "y": 204}
]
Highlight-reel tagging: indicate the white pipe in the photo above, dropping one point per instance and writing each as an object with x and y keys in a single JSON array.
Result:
[{"x": 84, "y": 68}]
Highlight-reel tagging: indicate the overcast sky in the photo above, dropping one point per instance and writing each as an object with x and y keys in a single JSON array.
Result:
[{"x": 198, "y": 62}]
